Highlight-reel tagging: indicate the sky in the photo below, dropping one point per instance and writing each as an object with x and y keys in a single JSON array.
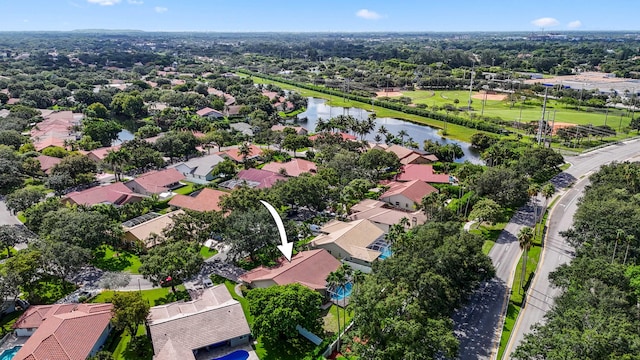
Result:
[{"x": 319, "y": 16}]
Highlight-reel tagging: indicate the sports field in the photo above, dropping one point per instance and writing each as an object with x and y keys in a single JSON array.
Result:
[{"x": 505, "y": 110}]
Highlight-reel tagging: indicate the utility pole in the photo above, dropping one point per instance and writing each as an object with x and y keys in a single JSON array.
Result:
[
  {"x": 544, "y": 110},
  {"x": 471, "y": 87}
]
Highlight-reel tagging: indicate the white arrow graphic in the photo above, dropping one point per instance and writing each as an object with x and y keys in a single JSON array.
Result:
[{"x": 287, "y": 247}]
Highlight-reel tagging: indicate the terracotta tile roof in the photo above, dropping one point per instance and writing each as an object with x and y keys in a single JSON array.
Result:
[
  {"x": 266, "y": 179},
  {"x": 309, "y": 268},
  {"x": 401, "y": 151},
  {"x": 353, "y": 237},
  {"x": 47, "y": 162},
  {"x": 294, "y": 168},
  {"x": 234, "y": 153},
  {"x": 66, "y": 335},
  {"x": 179, "y": 328},
  {"x": 116, "y": 194},
  {"x": 386, "y": 216},
  {"x": 422, "y": 172},
  {"x": 413, "y": 190},
  {"x": 206, "y": 200},
  {"x": 157, "y": 181},
  {"x": 209, "y": 111},
  {"x": 101, "y": 153}
]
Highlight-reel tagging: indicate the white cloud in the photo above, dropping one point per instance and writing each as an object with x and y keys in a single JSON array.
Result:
[
  {"x": 574, "y": 24},
  {"x": 368, "y": 14},
  {"x": 104, "y": 2},
  {"x": 160, "y": 9},
  {"x": 545, "y": 22},
  {"x": 135, "y": 2}
]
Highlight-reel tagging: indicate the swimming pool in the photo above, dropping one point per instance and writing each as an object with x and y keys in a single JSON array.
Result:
[
  {"x": 9, "y": 353},
  {"x": 342, "y": 292},
  {"x": 236, "y": 355},
  {"x": 386, "y": 252}
]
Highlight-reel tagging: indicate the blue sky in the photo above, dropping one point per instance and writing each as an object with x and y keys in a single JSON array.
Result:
[{"x": 324, "y": 15}]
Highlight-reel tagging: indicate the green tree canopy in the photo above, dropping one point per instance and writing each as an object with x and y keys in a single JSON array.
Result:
[
  {"x": 129, "y": 311},
  {"x": 172, "y": 262}
]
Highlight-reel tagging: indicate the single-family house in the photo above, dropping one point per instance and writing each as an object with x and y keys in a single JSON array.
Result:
[
  {"x": 148, "y": 228},
  {"x": 358, "y": 243},
  {"x": 115, "y": 194},
  {"x": 255, "y": 153},
  {"x": 309, "y": 268},
  {"x": 254, "y": 178},
  {"x": 298, "y": 129},
  {"x": 295, "y": 167},
  {"x": 233, "y": 110},
  {"x": 199, "y": 169},
  {"x": 244, "y": 128},
  {"x": 156, "y": 182},
  {"x": 184, "y": 330},
  {"x": 63, "y": 331},
  {"x": 383, "y": 216},
  {"x": 47, "y": 163},
  {"x": 412, "y": 156},
  {"x": 407, "y": 195},
  {"x": 99, "y": 154},
  {"x": 209, "y": 113},
  {"x": 422, "y": 172},
  {"x": 204, "y": 200},
  {"x": 56, "y": 127}
]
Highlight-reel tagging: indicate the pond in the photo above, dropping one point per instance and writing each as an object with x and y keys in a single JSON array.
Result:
[
  {"x": 317, "y": 108},
  {"x": 123, "y": 135}
]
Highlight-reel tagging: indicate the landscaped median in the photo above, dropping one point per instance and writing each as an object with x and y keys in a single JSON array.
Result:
[{"x": 518, "y": 292}]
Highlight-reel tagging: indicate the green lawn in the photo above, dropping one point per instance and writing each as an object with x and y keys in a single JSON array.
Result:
[
  {"x": 206, "y": 252},
  {"x": 21, "y": 217},
  {"x": 245, "y": 304},
  {"x": 185, "y": 190},
  {"x": 109, "y": 259},
  {"x": 155, "y": 297},
  {"x": 330, "y": 319},
  {"x": 490, "y": 234},
  {"x": 118, "y": 345},
  {"x": 7, "y": 321},
  {"x": 48, "y": 291},
  {"x": 3, "y": 253}
]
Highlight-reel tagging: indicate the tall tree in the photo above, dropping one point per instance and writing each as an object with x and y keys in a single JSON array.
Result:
[
  {"x": 22, "y": 199},
  {"x": 525, "y": 240},
  {"x": 130, "y": 310},
  {"x": 172, "y": 262}
]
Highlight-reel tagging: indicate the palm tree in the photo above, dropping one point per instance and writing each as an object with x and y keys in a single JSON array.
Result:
[
  {"x": 533, "y": 191},
  {"x": 117, "y": 160},
  {"x": 347, "y": 273},
  {"x": 382, "y": 130},
  {"x": 525, "y": 240},
  {"x": 333, "y": 279},
  {"x": 547, "y": 191},
  {"x": 244, "y": 150},
  {"x": 402, "y": 134},
  {"x": 619, "y": 234},
  {"x": 377, "y": 139},
  {"x": 630, "y": 239}
]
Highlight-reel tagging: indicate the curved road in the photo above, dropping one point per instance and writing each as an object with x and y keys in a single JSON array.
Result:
[
  {"x": 556, "y": 250},
  {"x": 478, "y": 326}
]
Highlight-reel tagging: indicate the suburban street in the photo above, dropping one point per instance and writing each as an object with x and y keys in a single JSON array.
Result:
[
  {"x": 478, "y": 326},
  {"x": 556, "y": 250}
]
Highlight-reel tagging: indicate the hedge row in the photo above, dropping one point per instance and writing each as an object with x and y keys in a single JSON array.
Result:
[{"x": 452, "y": 119}]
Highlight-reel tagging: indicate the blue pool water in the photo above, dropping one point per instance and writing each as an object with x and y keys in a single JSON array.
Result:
[
  {"x": 386, "y": 252},
  {"x": 10, "y": 353},
  {"x": 236, "y": 355},
  {"x": 342, "y": 292}
]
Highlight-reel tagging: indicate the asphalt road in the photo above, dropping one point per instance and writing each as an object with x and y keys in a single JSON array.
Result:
[
  {"x": 557, "y": 251},
  {"x": 476, "y": 325}
]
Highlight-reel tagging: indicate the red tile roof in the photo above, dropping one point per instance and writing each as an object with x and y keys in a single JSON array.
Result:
[
  {"x": 66, "y": 332},
  {"x": 294, "y": 168},
  {"x": 235, "y": 155},
  {"x": 266, "y": 179},
  {"x": 309, "y": 268},
  {"x": 116, "y": 193},
  {"x": 47, "y": 162},
  {"x": 206, "y": 200},
  {"x": 422, "y": 172},
  {"x": 157, "y": 181},
  {"x": 414, "y": 190}
]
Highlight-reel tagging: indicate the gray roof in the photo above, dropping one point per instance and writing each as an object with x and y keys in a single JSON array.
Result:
[
  {"x": 4, "y": 113},
  {"x": 243, "y": 128},
  {"x": 179, "y": 328},
  {"x": 202, "y": 166}
]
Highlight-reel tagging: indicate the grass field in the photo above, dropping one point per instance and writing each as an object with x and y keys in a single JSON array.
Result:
[
  {"x": 107, "y": 258},
  {"x": 206, "y": 252},
  {"x": 155, "y": 297},
  {"x": 504, "y": 110}
]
